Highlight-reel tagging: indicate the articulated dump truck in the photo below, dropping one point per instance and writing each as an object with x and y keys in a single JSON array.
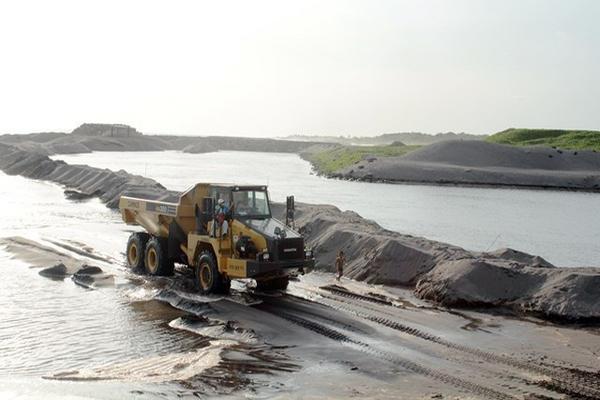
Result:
[{"x": 222, "y": 231}]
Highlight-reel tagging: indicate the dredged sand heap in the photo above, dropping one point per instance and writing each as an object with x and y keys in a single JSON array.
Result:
[{"x": 484, "y": 163}]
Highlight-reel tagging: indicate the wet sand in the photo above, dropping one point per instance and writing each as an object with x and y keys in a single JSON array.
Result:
[{"x": 324, "y": 339}]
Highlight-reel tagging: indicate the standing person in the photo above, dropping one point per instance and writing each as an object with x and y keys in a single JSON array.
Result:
[
  {"x": 221, "y": 214},
  {"x": 340, "y": 260}
]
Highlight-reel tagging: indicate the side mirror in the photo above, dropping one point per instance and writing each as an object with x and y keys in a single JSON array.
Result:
[{"x": 290, "y": 208}]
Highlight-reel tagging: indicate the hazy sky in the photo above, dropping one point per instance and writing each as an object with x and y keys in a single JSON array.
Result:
[{"x": 266, "y": 68}]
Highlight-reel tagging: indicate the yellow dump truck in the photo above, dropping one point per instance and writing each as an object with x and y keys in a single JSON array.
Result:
[{"x": 222, "y": 231}]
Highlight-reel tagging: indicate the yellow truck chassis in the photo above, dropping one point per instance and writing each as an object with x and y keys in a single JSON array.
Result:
[{"x": 232, "y": 245}]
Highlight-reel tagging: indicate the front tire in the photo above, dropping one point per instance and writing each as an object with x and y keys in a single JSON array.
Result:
[
  {"x": 157, "y": 262},
  {"x": 136, "y": 246},
  {"x": 207, "y": 277}
]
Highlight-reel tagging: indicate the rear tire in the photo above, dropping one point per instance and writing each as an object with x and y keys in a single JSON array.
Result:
[
  {"x": 208, "y": 279},
  {"x": 136, "y": 246},
  {"x": 156, "y": 258},
  {"x": 280, "y": 283}
]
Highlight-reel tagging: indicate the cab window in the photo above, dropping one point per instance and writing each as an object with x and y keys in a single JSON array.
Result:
[{"x": 251, "y": 203}]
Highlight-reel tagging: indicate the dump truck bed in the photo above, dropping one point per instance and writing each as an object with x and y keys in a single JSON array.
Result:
[{"x": 156, "y": 213}]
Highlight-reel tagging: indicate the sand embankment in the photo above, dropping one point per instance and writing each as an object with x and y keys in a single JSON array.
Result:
[
  {"x": 483, "y": 163},
  {"x": 65, "y": 143},
  {"x": 448, "y": 274},
  {"x": 106, "y": 184},
  {"x": 108, "y": 137},
  {"x": 440, "y": 272},
  {"x": 480, "y": 281}
]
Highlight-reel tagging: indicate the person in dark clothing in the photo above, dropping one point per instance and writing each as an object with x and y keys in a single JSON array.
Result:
[{"x": 340, "y": 261}]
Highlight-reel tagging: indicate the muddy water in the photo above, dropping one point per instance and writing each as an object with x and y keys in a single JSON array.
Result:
[{"x": 559, "y": 226}]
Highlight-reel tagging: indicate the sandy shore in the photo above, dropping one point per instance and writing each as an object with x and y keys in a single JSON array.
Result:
[
  {"x": 440, "y": 272},
  {"x": 480, "y": 163}
]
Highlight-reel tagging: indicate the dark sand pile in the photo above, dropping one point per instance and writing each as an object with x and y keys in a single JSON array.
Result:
[
  {"x": 441, "y": 272},
  {"x": 483, "y": 163},
  {"x": 106, "y": 184},
  {"x": 556, "y": 293},
  {"x": 375, "y": 255},
  {"x": 447, "y": 274},
  {"x": 63, "y": 143}
]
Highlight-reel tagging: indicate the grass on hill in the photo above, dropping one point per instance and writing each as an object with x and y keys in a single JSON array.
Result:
[
  {"x": 575, "y": 140},
  {"x": 333, "y": 159}
]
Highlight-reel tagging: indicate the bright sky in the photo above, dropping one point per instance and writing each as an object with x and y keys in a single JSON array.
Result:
[{"x": 272, "y": 68}]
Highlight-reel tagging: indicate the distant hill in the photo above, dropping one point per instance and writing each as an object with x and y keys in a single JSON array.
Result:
[
  {"x": 567, "y": 139},
  {"x": 107, "y": 130},
  {"x": 90, "y": 137},
  {"x": 408, "y": 138}
]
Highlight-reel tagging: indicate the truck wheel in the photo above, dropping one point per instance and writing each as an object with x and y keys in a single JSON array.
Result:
[
  {"x": 156, "y": 258},
  {"x": 136, "y": 245},
  {"x": 208, "y": 279},
  {"x": 280, "y": 283}
]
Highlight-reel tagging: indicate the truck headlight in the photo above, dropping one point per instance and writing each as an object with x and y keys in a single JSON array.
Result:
[{"x": 266, "y": 256}]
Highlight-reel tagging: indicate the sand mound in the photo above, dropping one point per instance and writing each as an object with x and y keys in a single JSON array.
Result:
[
  {"x": 111, "y": 137},
  {"x": 559, "y": 293},
  {"x": 108, "y": 185},
  {"x": 448, "y": 274},
  {"x": 483, "y": 163},
  {"x": 92, "y": 277},
  {"x": 58, "y": 271},
  {"x": 520, "y": 257},
  {"x": 374, "y": 254},
  {"x": 111, "y": 130},
  {"x": 484, "y": 154}
]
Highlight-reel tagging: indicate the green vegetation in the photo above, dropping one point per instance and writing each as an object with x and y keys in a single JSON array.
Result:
[
  {"x": 332, "y": 159},
  {"x": 576, "y": 140}
]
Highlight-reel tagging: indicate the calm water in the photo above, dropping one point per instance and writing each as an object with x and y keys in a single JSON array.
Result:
[{"x": 563, "y": 227}]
